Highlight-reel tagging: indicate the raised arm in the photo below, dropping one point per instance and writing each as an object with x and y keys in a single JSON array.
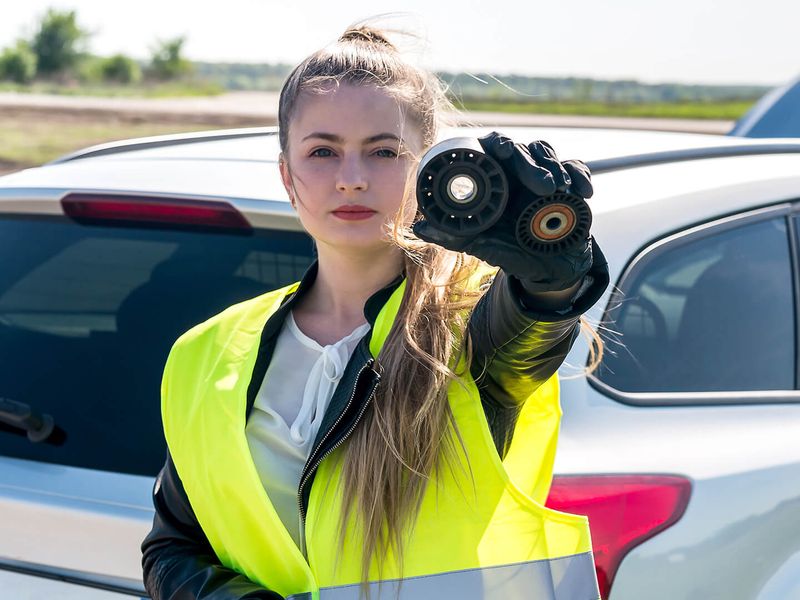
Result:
[
  {"x": 525, "y": 324},
  {"x": 519, "y": 339}
]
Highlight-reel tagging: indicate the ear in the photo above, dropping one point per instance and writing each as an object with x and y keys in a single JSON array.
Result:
[{"x": 286, "y": 177}]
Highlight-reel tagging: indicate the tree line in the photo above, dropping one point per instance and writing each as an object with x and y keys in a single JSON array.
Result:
[
  {"x": 57, "y": 51},
  {"x": 522, "y": 89},
  {"x": 487, "y": 87}
]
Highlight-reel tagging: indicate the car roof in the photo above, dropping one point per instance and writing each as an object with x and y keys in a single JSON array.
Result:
[
  {"x": 647, "y": 184},
  {"x": 262, "y": 143},
  {"x": 244, "y": 160}
]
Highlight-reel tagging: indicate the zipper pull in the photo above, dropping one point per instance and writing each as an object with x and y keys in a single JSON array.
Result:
[{"x": 302, "y": 536}]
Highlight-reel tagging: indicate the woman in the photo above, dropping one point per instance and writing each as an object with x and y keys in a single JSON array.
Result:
[{"x": 349, "y": 429}]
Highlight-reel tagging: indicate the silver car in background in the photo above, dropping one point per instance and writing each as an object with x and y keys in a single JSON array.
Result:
[{"x": 683, "y": 448}]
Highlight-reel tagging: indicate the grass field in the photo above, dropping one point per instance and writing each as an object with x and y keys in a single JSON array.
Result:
[
  {"x": 695, "y": 110},
  {"x": 28, "y": 139}
]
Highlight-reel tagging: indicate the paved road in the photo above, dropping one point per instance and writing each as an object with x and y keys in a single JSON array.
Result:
[{"x": 250, "y": 108}]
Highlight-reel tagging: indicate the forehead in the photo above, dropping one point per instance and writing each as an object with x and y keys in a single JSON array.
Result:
[{"x": 351, "y": 112}]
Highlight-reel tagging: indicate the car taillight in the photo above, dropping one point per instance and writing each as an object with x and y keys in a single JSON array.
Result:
[
  {"x": 623, "y": 511},
  {"x": 144, "y": 210}
]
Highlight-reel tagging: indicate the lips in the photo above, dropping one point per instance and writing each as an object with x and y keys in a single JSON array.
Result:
[{"x": 353, "y": 212}]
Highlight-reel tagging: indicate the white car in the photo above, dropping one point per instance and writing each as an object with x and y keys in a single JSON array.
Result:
[{"x": 683, "y": 448}]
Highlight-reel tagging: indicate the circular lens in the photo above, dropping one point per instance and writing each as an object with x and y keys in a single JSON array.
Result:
[
  {"x": 462, "y": 189},
  {"x": 553, "y": 222}
]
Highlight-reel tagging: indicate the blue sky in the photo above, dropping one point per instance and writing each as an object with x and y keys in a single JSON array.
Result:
[{"x": 692, "y": 41}]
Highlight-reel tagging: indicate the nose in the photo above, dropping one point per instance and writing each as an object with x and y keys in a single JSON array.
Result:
[{"x": 352, "y": 176}]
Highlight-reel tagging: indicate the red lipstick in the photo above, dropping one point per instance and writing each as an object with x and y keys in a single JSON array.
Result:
[{"x": 353, "y": 212}]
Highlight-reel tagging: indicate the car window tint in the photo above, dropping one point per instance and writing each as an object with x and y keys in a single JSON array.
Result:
[
  {"x": 712, "y": 314},
  {"x": 88, "y": 315}
]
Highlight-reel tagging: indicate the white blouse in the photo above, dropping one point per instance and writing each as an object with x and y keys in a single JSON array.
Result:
[{"x": 288, "y": 411}]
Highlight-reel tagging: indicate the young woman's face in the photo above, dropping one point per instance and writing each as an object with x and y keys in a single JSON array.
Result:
[{"x": 348, "y": 159}]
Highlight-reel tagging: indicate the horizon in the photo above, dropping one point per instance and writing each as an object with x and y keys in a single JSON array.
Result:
[
  {"x": 511, "y": 74},
  {"x": 690, "y": 44}
]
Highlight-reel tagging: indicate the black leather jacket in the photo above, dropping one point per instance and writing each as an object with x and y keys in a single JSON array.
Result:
[{"x": 515, "y": 349}]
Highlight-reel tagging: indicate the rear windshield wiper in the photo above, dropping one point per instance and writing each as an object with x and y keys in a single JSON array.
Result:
[{"x": 20, "y": 418}]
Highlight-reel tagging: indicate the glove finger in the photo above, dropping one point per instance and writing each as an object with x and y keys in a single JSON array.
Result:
[
  {"x": 516, "y": 157},
  {"x": 498, "y": 146},
  {"x": 429, "y": 233},
  {"x": 544, "y": 155},
  {"x": 581, "y": 177},
  {"x": 536, "y": 178}
]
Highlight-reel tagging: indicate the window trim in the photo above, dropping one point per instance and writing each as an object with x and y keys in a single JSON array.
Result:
[
  {"x": 794, "y": 248},
  {"x": 108, "y": 583},
  {"x": 644, "y": 257}
]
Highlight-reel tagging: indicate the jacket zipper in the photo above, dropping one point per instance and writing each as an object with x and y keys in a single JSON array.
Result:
[{"x": 341, "y": 440}]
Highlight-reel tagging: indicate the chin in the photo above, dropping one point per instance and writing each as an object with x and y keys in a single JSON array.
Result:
[
  {"x": 361, "y": 243},
  {"x": 361, "y": 235}
]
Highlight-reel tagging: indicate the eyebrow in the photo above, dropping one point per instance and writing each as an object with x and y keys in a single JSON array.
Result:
[{"x": 332, "y": 137}]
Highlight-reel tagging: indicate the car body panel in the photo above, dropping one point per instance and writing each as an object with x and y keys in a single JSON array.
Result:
[{"x": 76, "y": 520}]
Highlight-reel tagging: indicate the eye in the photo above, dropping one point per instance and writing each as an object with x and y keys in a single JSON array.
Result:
[
  {"x": 321, "y": 152},
  {"x": 386, "y": 153}
]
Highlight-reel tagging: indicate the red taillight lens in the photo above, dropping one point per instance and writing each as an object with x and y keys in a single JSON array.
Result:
[
  {"x": 623, "y": 511},
  {"x": 153, "y": 210}
]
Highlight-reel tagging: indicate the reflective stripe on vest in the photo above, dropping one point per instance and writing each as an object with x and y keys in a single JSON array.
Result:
[
  {"x": 481, "y": 528},
  {"x": 565, "y": 578}
]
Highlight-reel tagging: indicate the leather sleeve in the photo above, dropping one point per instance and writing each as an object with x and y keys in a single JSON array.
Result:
[
  {"x": 177, "y": 558},
  {"x": 516, "y": 348}
]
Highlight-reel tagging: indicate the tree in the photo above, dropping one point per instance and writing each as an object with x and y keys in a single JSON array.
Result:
[
  {"x": 18, "y": 63},
  {"x": 166, "y": 60},
  {"x": 120, "y": 69},
  {"x": 59, "y": 42}
]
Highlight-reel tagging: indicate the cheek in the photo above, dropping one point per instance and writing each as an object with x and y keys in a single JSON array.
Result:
[
  {"x": 393, "y": 179},
  {"x": 311, "y": 176}
]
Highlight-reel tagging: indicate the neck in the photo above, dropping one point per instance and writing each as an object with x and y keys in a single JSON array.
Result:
[{"x": 346, "y": 281}]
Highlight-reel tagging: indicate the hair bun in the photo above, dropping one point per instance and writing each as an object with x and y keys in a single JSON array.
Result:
[{"x": 367, "y": 35}]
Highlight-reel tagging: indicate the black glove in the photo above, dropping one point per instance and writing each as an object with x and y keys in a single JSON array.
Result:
[{"x": 532, "y": 171}]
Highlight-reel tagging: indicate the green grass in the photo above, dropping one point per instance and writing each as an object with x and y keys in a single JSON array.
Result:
[
  {"x": 687, "y": 110},
  {"x": 152, "y": 90},
  {"x": 30, "y": 140}
]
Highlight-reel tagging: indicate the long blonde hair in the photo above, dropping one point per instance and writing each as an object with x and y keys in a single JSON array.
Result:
[{"x": 406, "y": 432}]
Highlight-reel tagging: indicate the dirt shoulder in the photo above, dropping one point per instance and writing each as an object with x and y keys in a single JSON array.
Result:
[{"x": 233, "y": 109}]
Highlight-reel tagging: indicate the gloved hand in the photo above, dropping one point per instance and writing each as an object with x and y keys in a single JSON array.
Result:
[{"x": 532, "y": 171}]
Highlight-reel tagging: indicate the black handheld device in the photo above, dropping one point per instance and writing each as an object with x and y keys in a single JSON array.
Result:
[{"x": 464, "y": 191}]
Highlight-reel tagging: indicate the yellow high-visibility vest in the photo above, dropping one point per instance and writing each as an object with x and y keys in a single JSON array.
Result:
[{"x": 482, "y": 532}]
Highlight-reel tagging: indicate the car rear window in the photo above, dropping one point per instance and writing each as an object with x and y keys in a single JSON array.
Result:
[
  {"x": 713, "y": 314},
  {"x": 88, "y": 315}
]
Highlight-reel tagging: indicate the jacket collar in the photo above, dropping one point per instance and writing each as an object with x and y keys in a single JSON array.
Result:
[
  {"x": 372, "y": 306},
  {"x": 269, "y": 335}
]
